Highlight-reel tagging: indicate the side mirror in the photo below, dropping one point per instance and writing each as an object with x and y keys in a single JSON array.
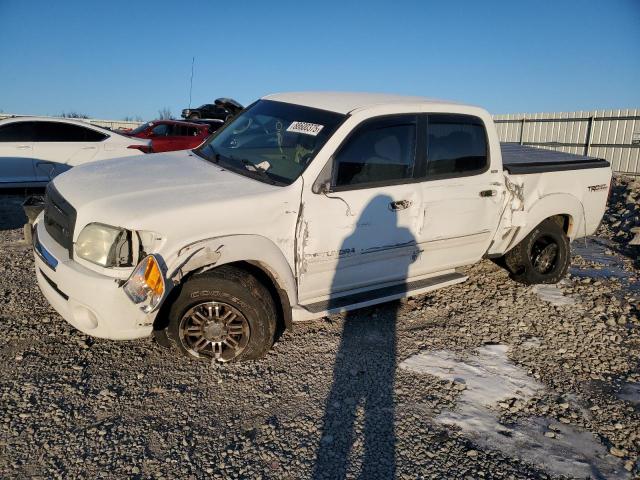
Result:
[
  {"x": 322, "y": 187},
  {"x": 322, "y": 184}
]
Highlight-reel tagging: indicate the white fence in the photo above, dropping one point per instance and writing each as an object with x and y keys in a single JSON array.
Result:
[
  {"x": 610, "y": 134},
  {"x": 112, "y": 124}
]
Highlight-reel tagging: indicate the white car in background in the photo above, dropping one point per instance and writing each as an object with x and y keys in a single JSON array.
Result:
[{"x": 33, "y": 150}]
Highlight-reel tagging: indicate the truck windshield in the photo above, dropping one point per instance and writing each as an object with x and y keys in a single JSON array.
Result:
[{"x": 271, "y": 141}]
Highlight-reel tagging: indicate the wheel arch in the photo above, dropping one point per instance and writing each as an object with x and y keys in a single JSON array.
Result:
[
  {"x": 265, "y": 276},
  {"x": 563, "y": 207},
  {"x": 253, "y": 254}
]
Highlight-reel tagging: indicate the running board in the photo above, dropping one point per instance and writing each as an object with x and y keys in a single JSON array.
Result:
[{"x": 374, "y": 297}]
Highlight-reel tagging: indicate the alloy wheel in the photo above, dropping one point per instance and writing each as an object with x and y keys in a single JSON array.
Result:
[
  {"x": 214, "y": 330},
  {"x": 544, "y": 255}
]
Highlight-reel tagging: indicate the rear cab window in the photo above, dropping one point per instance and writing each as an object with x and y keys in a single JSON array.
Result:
[{"x": 456, "y": 145}]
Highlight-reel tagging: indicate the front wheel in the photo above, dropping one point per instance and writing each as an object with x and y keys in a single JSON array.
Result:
[
  {"x": 543, "y": 256},
  {"x": 225, "y": 315}
]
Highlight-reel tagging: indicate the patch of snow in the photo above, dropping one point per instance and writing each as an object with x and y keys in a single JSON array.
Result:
[
  {"x": 553, "y": 295},
  {"x": 490, "y": 377}
]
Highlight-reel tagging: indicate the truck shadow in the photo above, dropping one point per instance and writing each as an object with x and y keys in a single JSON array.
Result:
[{"x": 358, "y": 427}]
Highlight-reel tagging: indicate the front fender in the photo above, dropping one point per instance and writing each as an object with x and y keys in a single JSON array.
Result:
[{"x": 213, "y": 252}]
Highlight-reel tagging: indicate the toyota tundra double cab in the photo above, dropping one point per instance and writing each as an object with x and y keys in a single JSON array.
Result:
[{"x": 305, "y": 205}]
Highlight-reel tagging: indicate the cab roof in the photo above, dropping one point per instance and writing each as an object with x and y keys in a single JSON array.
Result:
[{"x": 346, "y": 102}]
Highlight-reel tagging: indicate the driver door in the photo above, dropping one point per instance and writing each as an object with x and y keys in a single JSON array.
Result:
[{"x": 363, "y": 232}]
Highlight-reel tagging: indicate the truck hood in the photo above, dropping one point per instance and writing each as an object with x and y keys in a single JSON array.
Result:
[{"x": 149, "y": 191}]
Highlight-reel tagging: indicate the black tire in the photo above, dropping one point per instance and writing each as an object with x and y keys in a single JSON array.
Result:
[
  {"x": 194, "y": 116},
  {"x": 543, "y": 256},
  {"x": 500, "y": 261},
  {"x": 225, "y": 289}
]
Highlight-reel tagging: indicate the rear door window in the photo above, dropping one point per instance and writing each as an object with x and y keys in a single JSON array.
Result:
[
  {"x": 65, "y": 132},
  {"x": 456, "y": 145},
  {"x": 380, "y": 151}
]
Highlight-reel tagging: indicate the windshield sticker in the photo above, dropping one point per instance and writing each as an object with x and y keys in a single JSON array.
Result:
[{"x": 306, "y": 128}]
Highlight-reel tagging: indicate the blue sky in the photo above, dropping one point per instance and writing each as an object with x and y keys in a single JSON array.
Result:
[{"x": 113, "y": 59}]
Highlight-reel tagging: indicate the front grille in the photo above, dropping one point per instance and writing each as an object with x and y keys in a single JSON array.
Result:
[{"x": 59, "y": 218}]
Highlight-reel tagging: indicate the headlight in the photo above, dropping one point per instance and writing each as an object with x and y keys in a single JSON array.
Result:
[
  {"x": 105, "y": 245},
  {"x": 145, "y": 286}
]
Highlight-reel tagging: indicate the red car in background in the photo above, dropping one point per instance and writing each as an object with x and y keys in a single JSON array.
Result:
[{"x": 170, "y": 135}]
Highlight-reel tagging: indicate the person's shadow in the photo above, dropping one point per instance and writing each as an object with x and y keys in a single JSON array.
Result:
[{"x": 364, "y": 371}]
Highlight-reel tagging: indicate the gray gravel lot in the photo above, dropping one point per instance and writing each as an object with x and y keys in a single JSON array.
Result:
[{"x": 333, "y": 398}]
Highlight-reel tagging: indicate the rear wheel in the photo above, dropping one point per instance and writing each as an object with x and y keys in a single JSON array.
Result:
[
  {"x": 225, "y": 315},
  {"x": 543, "y": 256}
]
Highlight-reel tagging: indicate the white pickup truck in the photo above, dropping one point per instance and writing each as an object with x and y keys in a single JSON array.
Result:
[{"x": 306, "y": 204}]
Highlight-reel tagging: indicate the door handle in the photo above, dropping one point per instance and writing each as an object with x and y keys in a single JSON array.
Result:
[
  {"x": 23, "y": 147},
  {"x": 399, "y": 205},
  {"x": 488, "y": 193}
]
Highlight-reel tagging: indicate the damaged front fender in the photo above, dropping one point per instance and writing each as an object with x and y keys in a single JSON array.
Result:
[
  {"x": 196, "y": 260},
  {"x": 256, "y": 250}
]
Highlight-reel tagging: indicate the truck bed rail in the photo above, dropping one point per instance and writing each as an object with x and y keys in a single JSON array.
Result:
[{"x": 520, "y": 159}]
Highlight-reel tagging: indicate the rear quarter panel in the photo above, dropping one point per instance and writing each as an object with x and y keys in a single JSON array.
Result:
[{"x": 579, "y": 194}]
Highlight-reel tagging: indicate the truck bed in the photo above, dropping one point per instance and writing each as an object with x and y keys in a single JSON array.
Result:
[{"x": 519, "y": 159}]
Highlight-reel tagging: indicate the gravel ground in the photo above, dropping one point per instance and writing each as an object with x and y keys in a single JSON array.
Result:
[{"x": 333, "y": 398}]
